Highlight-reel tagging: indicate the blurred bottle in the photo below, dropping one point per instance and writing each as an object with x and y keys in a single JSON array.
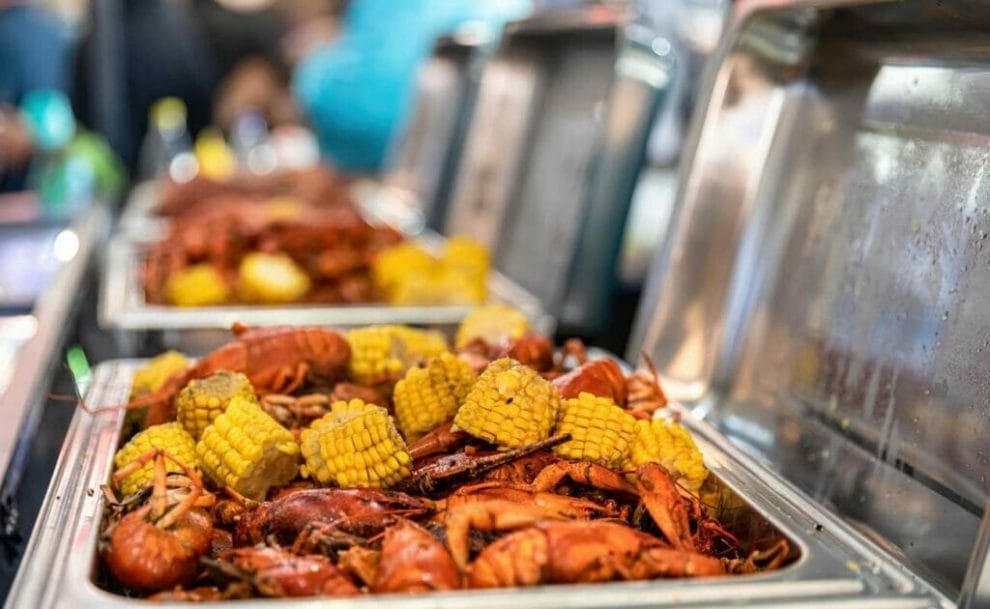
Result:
[
  {"x": 167, "y": 147},
  {"x": 215, "y": 158},
  {"x": 249, "y": 139}
]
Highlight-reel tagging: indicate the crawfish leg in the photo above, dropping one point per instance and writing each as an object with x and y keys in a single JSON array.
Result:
[
  {"x": 478, "y": 466},
  {"x": 659, "y": 494},
  {"x": 583, "y": 473},
  {"x": 493, "y": 515},
  {"x": 288, "y": 380}
]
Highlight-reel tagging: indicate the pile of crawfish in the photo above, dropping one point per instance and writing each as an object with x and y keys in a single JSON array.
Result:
[
  {"x": 468, "y": 517},
  {"x": 307, "y": 215}
]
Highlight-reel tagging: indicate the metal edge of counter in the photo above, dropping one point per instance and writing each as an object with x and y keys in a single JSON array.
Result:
[{"x": 35, "y": 359}]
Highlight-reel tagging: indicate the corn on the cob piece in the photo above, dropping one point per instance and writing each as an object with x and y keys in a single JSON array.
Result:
[
  {"x": 203, "y": 400},
  {"x": 392, "y": 264},
  {"x": 430, "y": 396},
  {"x": 170, "y": 437},
  {"x": 248, "y": 450},
  {"x": 467, "y": 255},
  {"x": 510, "y": 405},
  {"x": 355, "y": 445},
  {"x": 601, "y": 432},
  {"x": 670, "y": 445},
  {"x": 382, "y": 354},
  {"x": 199, "y": 285},
  {"x": 271, "y": 279},
  {"x": 492, "y": 323},
  {"x": 153, "y": 375},
  {"x": 421, "y": 345}
]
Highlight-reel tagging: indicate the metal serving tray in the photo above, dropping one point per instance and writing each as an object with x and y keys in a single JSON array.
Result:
[
  {"x": 823, "y": 293},
  {"x": 836, "y": 566},
  {"x": 425, "y": 157},
  {"x": 195, "y": 330},
  {"x": 554, "y": 148}
]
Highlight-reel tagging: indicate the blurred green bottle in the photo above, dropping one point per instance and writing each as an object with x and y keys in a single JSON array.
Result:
[{"x": 72, "y": 167}]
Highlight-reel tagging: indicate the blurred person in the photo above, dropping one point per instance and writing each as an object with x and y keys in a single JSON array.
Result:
[
  {"x": 221, "y": 58},
  {"x": 34, "y": 51},
  {"x": 357, "y": 89}
]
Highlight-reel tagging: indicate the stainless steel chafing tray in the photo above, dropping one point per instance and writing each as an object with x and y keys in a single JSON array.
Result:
[
  {"x": 195, "y": 330},
  {"x": 834, "y": 565},
  {"x": 554, "y": 149},
  {"x": 822, "y": 295},
  {"x": 423, "y": 170}
]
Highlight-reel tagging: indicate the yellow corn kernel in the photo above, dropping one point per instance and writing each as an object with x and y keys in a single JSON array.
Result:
[
  {"x": 170, "y": 437},
  {"x": 199, "y": 285},
  {"x": 601, "y": 432},
  {"x": 670, "y": 445},
  {"x": 510, "y": 405},
  {"x": 493, "y": 324},
  {"x": 382, "y": 354},
  {"x": 248, "y": 450},
  {"x": 203, "y": 400},
  {"x": 153, "y": 375},
  {"x": 392, "y": 264},
  {"x": 271, "y": 279},
  {"x": 466, "y": 255},
  {"x": 355, "y": 445},
  {"x": 430, "y": 396}
]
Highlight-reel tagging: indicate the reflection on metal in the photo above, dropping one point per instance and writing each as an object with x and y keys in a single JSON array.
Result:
[
  {"x": 554, "y": 151},
  {"x": 823, "y": 290},
  {"x": 38, "y": 338},
  {"x": 427, "y": 154},
  {"x": 832, "y": 565},
  {"x": 976, "y": 586}
]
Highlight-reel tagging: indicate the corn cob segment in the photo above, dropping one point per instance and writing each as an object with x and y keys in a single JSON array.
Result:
[
  {"x": 391, "y": 265},
  {"x": 421, "y": 345},
  {"x": 153, "y": 375},
  {"x": 670, "y": 445},
  {"x": 382, "y": 354},
  {"x": 203, "y": 400},
  {"x": 467, "y": 256},
  {"x": 493, "y": 324},
  {"x": 246, "y": 449},
  {"x": 170, "y": 437},
  {"x": 601, "y": 432},
  {"x": 510, "y": 405},
  {"x": 430, "y": 396},
  {"x": 355, "y": 445}
]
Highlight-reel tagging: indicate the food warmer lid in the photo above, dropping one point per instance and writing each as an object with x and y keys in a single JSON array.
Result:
[
  {"x": 822, "y": 293},
  {"x": 554, "y": 150}
]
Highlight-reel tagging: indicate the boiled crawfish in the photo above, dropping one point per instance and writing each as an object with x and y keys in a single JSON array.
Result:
[
  {"x": 275, "y": 360},
  {"x": 159, "y": 545},
  {"x": 568, "y": 551}
]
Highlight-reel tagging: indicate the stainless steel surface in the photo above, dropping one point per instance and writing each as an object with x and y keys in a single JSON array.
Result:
[
  {"x": 822, "y": 294},
  {"x": 837, "y": 566},
  {"x": 37, "y": 356},
  {"x": 554, "y": 150},
  {"x": 976, "y": 585},
  {"x": 428, "y": 152}
]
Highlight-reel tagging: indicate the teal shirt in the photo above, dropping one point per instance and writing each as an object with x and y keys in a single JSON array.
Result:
[
  {"x": 34, "y": 52},
  {"x": 358, "y": 90}
]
